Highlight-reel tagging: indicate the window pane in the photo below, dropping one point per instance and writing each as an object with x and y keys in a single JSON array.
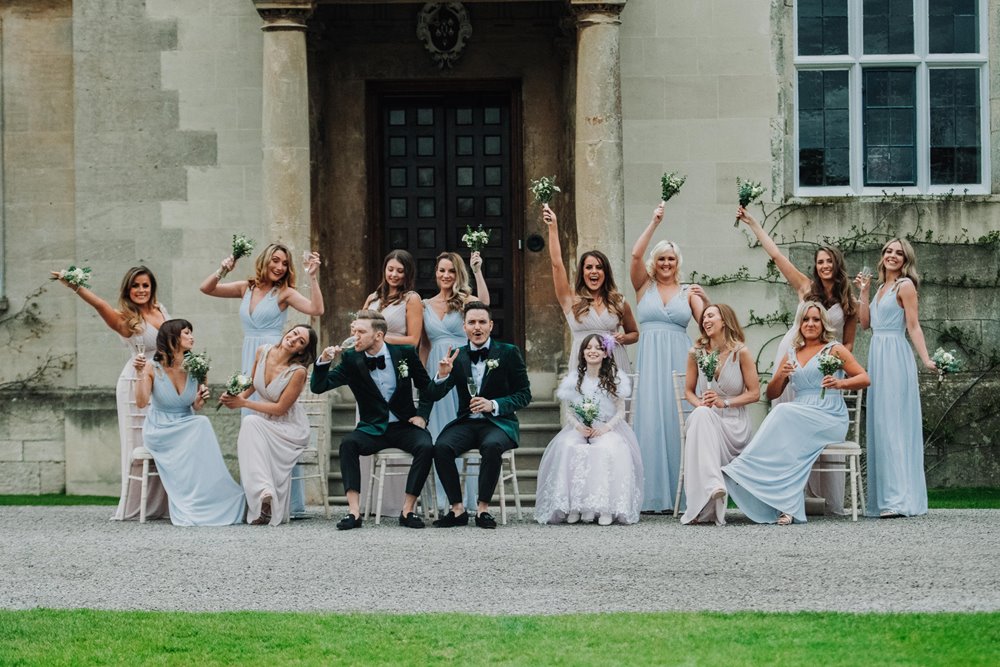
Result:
[
  {"x": 397, "y": 207},
  {"x": 397, "y": 177},
  {"x": 492, "y": 176},
  {"x": 425, "y": 116},
  {"x": 425, "y": 146},
  {"x": 425, "y": 177},
  {"x": 491, "y": 145},
  {"x": 397, "y": 146},
  {"x": 463, "y": 116},
  {"x": 466, "y": 206},
  {"x": 425, "y": 207},
  {"x": 397, "y": 117},
  {"x": 823, "y": 127},
  {"x": 953, "y": 26},
  {"x": 463, "y": 145},
  {"x": 491, "y": 116},
  {"x": 822, "y": 27},
  {"x": 955, "y": 124},
  {"x": 463, "y": 176},
  {"x": 426, "y": 238},
  {"x": 888, "y": 26},
  {"x": 889, "y": 127}
]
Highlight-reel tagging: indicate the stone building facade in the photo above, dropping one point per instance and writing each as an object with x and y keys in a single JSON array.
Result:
[{"x": 150, "y": 131}]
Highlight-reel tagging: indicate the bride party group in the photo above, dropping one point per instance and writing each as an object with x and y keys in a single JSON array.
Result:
[{"x": 605, "y": 466}]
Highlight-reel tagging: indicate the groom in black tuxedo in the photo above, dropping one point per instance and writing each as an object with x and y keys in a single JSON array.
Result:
[
  {"x": 382, "y": 377},
  {"x": 486, "y": 421}
]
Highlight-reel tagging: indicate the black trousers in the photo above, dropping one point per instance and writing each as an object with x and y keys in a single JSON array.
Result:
[
  {"x": 401, "y": 435},
  {"x": 465, "y": 435}
]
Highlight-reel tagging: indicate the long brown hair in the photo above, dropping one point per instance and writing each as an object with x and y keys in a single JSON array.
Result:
[
  {"x": 841, "y": 292},
  {"x": 306, "y": 355},
  {"x": 384, "y": 291},
  {"x": 168, "y": 340},
  {"x": 607, "y": 376},
  {"x": 127, "y": 307},
  {"x": 460, "y": 291},
  {"x": 264, "y": 258},
  {"x": 613, "y": 299}
]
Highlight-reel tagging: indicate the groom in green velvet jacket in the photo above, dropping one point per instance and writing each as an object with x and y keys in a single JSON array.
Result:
[{"x": 382, "y": 377}]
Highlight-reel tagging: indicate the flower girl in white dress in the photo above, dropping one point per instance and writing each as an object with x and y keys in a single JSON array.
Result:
[{"x": 593, "y": 471}]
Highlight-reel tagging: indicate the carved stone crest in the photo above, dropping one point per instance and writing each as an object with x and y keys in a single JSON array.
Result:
[{"x": 444, "y": 27}]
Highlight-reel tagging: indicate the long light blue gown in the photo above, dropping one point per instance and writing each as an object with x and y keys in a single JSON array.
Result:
[
  {"x": 769, "y": 477},
  {"x": 663, "y": 348},
  {"x": 894, "y": 426},
  {"x": 199, "y": 487},
  {"x": 264, "y": 326},
  {"x": 444, "y": 333}
]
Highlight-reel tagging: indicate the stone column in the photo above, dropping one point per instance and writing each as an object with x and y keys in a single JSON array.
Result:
[
  {"x": 285, "y": 127},
  {"x": 599, "y": 163}
]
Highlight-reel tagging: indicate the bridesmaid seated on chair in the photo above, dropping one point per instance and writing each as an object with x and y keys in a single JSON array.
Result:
[
  {"x": 199, "y": 487},
  {"x": 719, "y": 428},
  {"x": 274, "y": 434}
]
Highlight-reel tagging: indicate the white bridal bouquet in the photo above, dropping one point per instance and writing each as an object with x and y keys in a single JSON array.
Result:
[
  {"x": 587, "y": 410},
  {"x": 197, "y": 366},
  {"x": 670, "y": 184},
  {"x": 748, "y": 192},
  {"x": 242, "y": 247},
  {"x": 946, "y": 362},
  {"x": 828, "y": 365},
  {"x": 475, "y": 240},
  {"x": 77, "y": 276},
  {"x": 707, "y": 363},
  {"x": 544, "y": 189},
  {"x": 236, "y": 384}
]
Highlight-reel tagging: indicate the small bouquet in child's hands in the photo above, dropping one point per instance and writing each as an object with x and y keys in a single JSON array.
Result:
[
  {"x": 748, "y": 192},
  {"x": 242, "y": 247},
  {"x": 475, "y": 240},
  {"x": 197, "y": 366},
  {"x": 671, "y": 184},
  {"x": 77, "y": 276},
  {"x": 236, "y": 384},
  {"x": 587, "y": 410},
  {"x": 707, "y": 363},
  {"x": 544, "y": 189},
  {"x": 828, "y": 365},
  {"x": 946, "y": 362}
]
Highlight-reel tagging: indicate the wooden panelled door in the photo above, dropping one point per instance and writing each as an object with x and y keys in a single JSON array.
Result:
[{"x": 445, "y": 166}]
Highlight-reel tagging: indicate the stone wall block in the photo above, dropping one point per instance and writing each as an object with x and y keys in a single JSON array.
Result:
[
  {"x": 11, "y": 450},
  {"x": 39, "y": 149},
  {"x": 209, "y": 108},
  {"x": 644, "y": 98},
  {"x": 126, "y": 36},
  {"x": 42, "y": 71},
  {"x": 742, "y": 96},
  {"x": 44, "y": 450},
  {"x": 19, "y": 478},
  {"x": 51, "y": 477},
  {"x": 93, "y": 450},
  {"x": 165, "y": 9},
  {"x": 145, "y": 182},
  {"x": 37, "y": 184},
  {"x": 39, "y": 35}
]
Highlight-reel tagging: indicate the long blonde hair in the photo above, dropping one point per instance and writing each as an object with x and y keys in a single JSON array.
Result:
[
  {"x": 460, "y": 290},
  {"x": 828, "y": 334},
  {"x": 264, "y": 258},
  {"x": 909, "y": 268},
  {"x": 732, "y": 332},
  {"x": 128, "y": 309}
]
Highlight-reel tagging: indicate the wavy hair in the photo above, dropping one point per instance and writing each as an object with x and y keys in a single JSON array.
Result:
[
  {"x": 607, "y": 376},
  {"x": 306, "y": 355},
  {"x": 732, "y": 332},
  {"x": 909, "y": 268},
  {"x": 841, "y": 283},
  {"x": 264, "y": 258},
  {"x": 659, "y": 249},
  {"x": 384, "y": 292},
  {"x": 828, "y": 334},
  {"x": 168, "y": 340},
  {"x": 460, "y": 291},
  {"x": 128, "y": 308},
  {"x": 612, "y": 298}
]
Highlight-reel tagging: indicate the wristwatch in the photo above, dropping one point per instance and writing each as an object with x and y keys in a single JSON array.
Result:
[{"x": 725, "y": 403}]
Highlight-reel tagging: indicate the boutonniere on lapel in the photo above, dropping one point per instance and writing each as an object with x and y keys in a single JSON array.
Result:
[
  {"x": 404, "y": 370},
  {"x": 491, "y": 364}
]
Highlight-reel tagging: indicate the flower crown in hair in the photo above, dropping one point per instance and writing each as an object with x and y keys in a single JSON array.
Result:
[{"x": 608, "y": 343}]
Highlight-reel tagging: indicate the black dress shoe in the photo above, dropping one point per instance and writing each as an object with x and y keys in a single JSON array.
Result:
[
  {"x": 348, "y": 522},
  {"x": 449, "y": 520},
  {"x": 486, "y": 520},
  {"x": 411, "y": 520}
]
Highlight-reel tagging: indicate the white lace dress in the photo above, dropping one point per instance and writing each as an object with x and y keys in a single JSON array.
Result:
[{"x": 603, "y": 476}]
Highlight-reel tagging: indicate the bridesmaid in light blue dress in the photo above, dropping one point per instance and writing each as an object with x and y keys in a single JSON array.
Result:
[
  {"x": 265, "y": 299},
  {"x": 664, "y": 310},
  {"x": 199, "y": 487},
  {"x": 444, "y": 329},
  {"x": 894, "y": 427},
  {"x": 768, "y": 479}
]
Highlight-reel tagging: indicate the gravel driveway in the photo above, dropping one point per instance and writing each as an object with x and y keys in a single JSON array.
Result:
[{"x": 71, "y": 557}]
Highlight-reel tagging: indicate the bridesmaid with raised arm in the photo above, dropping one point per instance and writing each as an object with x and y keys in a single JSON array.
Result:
[
  {"x": 894, "y": 427},
  {"x": 266, "y": 297},
  {"x": 593, "y": 305},
  {"x": 273, "y": 436},
  {"x": 719, "y": 427},
  {"x": 183, "y": 444},
  {"x": 830, "y": 285},
  {"x": 664, "y": 309},
  {"x": 768, "y": 478},
  {"x": 137, "y": 320},
  {"x": 402, "y": 309},
  {"x": 444, "y": 331}
]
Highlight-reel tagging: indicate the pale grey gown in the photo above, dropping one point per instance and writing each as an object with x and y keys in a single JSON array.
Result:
[
  {"x": 268, "y": 446},
  {"x": 592, "y": 322},
  {"x": 713, "y": 438}
]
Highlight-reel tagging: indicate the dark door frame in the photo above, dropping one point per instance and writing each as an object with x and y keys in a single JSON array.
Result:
[{"x": 374, "y": 92}]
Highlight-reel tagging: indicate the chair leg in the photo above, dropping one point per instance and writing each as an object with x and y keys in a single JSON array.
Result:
[
  {"x": 430, "y": 488},
  {"x": 503, "y": 495},
  {"x": 854, "y": 486},
  {"x": 680, "y": 482},
  {"x": 144, "y": 491},
  {"x": 368, "y": 498},
  {"x": 517, "y": 491},
  {"x": 381, "y": 487}
]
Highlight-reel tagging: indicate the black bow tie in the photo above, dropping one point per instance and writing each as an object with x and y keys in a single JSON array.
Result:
[
  {"x": 479, "y": 356},
  {"x": 375, "y": 362}
]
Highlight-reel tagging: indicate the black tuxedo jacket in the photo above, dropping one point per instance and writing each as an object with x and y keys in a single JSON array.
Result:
[{"x": 374, "y": 410}]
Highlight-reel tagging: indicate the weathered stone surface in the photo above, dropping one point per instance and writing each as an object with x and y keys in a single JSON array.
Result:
[
  {"x": 51, "y": 477},
  {"x": 93, "y": 449},
  {"x": 19, "y": 478},
  {"x": 44, "y": 450},
  {"x": 11, "y": 450}
]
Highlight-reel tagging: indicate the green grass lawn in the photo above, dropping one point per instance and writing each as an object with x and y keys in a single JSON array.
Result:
[
  {"x": 57, "y": 499},
  {"x": 48, "y": 637}
]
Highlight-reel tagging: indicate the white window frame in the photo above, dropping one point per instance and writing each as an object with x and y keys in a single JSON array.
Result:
[{"x": 922, "y": 61}]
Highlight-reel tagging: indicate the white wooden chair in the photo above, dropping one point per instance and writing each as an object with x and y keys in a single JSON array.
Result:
[
  {"x": 630, "y": 402},
  {"x": 850, "y": 449},
  {"x": 682, "y": 415},
  {"x": 394, "y": 462},
  {"x": 508, "y": 473},
  {"x": 143, "y": 454},
  {"x": 317, "y": 408}
]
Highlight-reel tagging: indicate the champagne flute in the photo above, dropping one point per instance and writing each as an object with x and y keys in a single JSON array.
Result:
[
  {"x": 472, "y": 386},
  {"x": 348, "y": 343},
  {"x": 137, "y": 345}
]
